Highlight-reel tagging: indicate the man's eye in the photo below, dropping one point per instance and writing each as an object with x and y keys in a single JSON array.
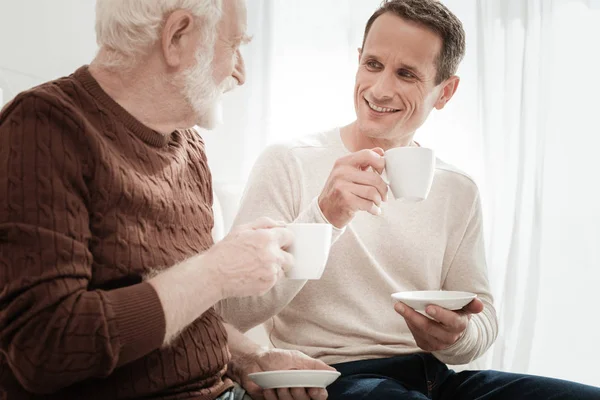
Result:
[
  {"x": 373, "y": 64},
  {"x": 406, "y": 74}
]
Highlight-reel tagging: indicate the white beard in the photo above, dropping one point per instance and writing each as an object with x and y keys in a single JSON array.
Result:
[
  {"x": 202, "y": 92},
  {"x": 213, "y": 117}
]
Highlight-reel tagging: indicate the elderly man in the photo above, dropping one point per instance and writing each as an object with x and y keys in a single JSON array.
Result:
[
  {"x": 407, "y": 65},
  {"x": 108, "y": 273}
]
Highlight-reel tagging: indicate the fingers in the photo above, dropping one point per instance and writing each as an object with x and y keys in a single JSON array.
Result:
[
  {"x": 364, "y": 159},
  {"x": 270, "y": 394},
  {"x": 429, "y": 334},
  {"x": 260, "y": 223},
  {"x": 317, "y": 393},
  {"x": 295, "y": 394},
  {"x": 359, "y": 197},
  {"x": 283, "y": 239},
  {"x": 255, "y": 392},
  {"x": 287, "y": 261},
  {"x": 367, "y": 193},
  {"x": 453, "y": 321},
  {"x": 367, "y": 178},
  {"x": 280, "y": 274},
  {"x": 474, "y": 307},
  {"x": 284, "y": 394},
  {"x": 264, "y": 223},
  {"x": 425, "y": 342},
  {"x": 282, "y": 236},
  {"x": 275, "y": 272},
  {"x": 379, "y": 151},
  {"x": 423, "y": 325},
  {"x": 299, "y": 394},
  {"x": 318, "y": 364},
  {"x": 365, "y": 205}
]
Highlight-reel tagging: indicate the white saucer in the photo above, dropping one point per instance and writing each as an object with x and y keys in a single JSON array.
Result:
[
  {"x": 294, "y": 378},
  {"x": 420, "y": 299}
]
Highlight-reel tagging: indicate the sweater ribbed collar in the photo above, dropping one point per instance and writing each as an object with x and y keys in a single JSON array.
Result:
[{"x": 146, "y": 134}]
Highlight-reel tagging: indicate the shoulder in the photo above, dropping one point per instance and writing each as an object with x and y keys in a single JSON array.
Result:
[
  {"x": 45, "y": 121},
  {"x": 37, "y": 131},
  {"x": 192, "y": 139},
  {"x": 455, "y": 181},
  {"x": 307, "y": 149},
  {"x": 52, "y": 102}
]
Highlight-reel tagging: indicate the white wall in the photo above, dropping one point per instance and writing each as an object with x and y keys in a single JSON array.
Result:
[{"x": 42, "y": 40}]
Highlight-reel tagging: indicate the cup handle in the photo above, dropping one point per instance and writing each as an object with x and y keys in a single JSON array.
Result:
[{"x": 387, "y": 182}]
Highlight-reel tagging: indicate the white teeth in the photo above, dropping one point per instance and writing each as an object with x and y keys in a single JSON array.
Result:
[{"x": 380, "y": 109}]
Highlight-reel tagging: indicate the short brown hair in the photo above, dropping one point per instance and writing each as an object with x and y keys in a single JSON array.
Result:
[{"x": 435, "y": 16}]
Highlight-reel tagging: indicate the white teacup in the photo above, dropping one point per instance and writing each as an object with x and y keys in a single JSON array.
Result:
[
  {"x": 310, "y": 250},
  {"x": 410, "y": 172}
]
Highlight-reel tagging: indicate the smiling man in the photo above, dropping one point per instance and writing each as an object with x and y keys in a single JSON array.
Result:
[{"x": 407, "y": 68}]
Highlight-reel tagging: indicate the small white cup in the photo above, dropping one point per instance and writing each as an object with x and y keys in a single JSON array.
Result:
[
  {"x": 410, "y": 172},
  {"x": 310, "y": 250}
]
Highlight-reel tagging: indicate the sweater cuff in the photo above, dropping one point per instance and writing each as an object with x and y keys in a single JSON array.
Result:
[
  {"x": 140, "y": 319},
  {"x": 313, "y": 214},
  {"x": 459, "y": 352}
]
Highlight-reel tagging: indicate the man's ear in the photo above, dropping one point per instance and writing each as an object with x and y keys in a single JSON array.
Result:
[
  {"x": 359, "y": 54},
  {"x": 448, "y": 89},
  {"x": 176, "y": 37}
]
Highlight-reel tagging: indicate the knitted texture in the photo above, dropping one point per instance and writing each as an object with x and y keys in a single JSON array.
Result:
[{"x": 91, "y": 200}]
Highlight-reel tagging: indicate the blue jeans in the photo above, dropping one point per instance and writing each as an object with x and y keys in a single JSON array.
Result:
[
  {"x": 422, "y": 376},
  {"x": 236, "y": 393}
]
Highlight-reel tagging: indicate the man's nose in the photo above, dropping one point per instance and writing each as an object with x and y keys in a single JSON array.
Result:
[{"x": 239, "y": 70}]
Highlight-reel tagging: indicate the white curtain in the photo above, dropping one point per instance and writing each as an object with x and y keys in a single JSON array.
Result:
[
  {"x": 514, "y": 45},
  {"x": 540, "y": 131}
]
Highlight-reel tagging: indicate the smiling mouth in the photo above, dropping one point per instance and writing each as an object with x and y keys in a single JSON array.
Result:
[{"x": 383, "y": 110}]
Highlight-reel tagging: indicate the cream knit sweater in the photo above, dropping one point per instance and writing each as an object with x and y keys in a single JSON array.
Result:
[{"x": 348, "y": 314}]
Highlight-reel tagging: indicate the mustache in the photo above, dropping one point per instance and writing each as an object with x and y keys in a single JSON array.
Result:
[{"x": 228, "y": 84}]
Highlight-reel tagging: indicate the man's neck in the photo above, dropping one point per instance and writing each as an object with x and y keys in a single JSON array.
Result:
[
  {"x": 355, "y": 140},
  {"x": 146, "y": 94}
]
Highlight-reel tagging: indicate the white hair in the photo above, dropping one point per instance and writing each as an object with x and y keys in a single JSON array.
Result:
[{"x": 127, "y": 28}]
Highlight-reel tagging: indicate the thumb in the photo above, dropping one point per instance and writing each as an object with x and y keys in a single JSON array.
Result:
[
  {"x": 318, "y": 364},
  {"x": 317, "y": 393},
  {"x": 474, "y": 307},
  {"x": 265, "y": 223},
  {"x": 379, "y": 151},
  {"x": 254, "y": 391}
]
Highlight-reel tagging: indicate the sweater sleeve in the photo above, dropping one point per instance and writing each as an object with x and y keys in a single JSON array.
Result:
[
  {"x": 274, "y": 190},
  {"x": 54, "y": 330},
  {"x": 468, "y": 272}
]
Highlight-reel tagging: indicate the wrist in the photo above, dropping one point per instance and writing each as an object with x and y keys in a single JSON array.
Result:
[
  {"x": 242, "y": 347},
  {"x": 251, "y": 354},
  {"x": 323, "y": 208},
  {"x": 209, "y": 269},
  {"x": 185, "y": 291},
  {"x": 195, "y": 275},
  {"x": 327, "y": 215}
]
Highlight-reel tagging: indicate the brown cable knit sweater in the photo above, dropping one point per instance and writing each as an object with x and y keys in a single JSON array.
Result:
[{"x": 91, "y": 200}]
